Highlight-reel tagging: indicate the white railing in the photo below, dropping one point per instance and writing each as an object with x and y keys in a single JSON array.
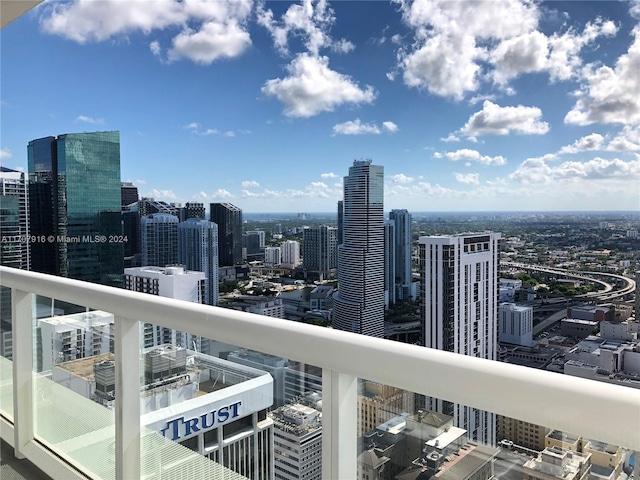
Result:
[{"x": 592, "y": 409}]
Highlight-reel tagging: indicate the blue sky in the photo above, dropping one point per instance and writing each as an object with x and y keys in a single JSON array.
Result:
[{"x": 488, "y": 105}]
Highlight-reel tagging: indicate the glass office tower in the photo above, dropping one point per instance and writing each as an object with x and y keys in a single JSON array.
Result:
[
  {"x": 228, "y": 217},
  {"x": 74, "y": 197}
]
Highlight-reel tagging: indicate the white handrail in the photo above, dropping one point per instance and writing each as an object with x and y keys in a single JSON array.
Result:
[{"x": 595, "y": 410}]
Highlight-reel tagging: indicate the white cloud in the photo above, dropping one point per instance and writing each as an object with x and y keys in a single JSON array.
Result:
[
  {"x": 611, "y": 94},
  {"x": 390, "y": 126},
  {"x": 496, "y": 120},
  {"x": 250, "y": 184},
  {"x": 469, "y": 178},
  {"x": 329, "y": 175},
  {"x": 589, "y": 142},
  {"x": 5, "y": 153},
  {"x": 85, "y": 119},
  {"x": 196, "y": 128},
  {"x": 161, "y": 194},
  {"x": 308, "y": 20},
  {"x": 449, "y": 41},
  {"x": 203, "y": 195},
  {"x": 216, "y": 29},
  {"x": 222, "y": 194},
  {"x": 312, "y": 87},
  {"x": 141, "y": 182},
  {"x": 535, "y": 52},
  {"x": 401, "y": 178},
  {"x": 213, "y": 41},
  {"x": 355, "y": 127},
  {"x": 536, "y": 170},
  {"x": 472, "y": 155},
  {"x": 450, "y": 138},
  {"x": 627, "y": 140}
]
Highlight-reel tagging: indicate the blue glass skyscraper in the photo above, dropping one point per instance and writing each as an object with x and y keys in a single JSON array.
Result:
[{"x": 74, "y": 199}]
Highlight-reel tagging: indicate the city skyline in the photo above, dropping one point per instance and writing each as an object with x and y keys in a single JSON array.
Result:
[{"x": 264, "y": 105}]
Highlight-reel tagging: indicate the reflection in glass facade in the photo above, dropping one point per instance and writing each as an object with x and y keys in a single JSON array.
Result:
[
  {"x": 228, "y": 218},
  {"x": 74, "y": 195}
]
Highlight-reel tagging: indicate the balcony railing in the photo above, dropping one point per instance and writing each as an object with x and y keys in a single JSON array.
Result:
[{"x": 591, "y": 409}]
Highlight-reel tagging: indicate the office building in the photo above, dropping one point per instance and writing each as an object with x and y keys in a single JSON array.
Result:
[
  {"x": 378, "y": 403},
  {"x": 159, "y": 239},
  {"x": 171, "y": 282},
  {"x": 402, "y": 249},
  {"x": 261, "y": 237},
  {"x": 516, "y": 325},
  {"x": 75, "y": 203},
  {"x": 128, "y": 194},
  {"x": 14, "y": 248},
  {"x": 389, "y": 263},
  {"x": 290, "y": 254},
  {"x": 297, "y": 443},
  {"x": 198, "y": 250},
  {"x": 459, "y": 283},
  {"x": 208, "y": 405},
  {"x": 320, "y": 252},
  {"x": 524, "y": 434},
  {"x": 228, "y": 217},
  {"x": 358, "y": 306}
]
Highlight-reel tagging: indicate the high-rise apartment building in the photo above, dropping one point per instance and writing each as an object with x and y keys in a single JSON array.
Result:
[
  {"x": 171, "y": 282},
  {"x": 402, "y": 250},
  {"x": 191, "y": 210},
  {"x": 320, "y": 252},
  {"x": 159, "y": 239},
  {"x": 198, "y": 250},
  {"x": 290, "y": 254},
  {"x": 459, "y": 282},
  {"x": 359, "y": 302},
  {"x": 228, "y": 217},
  {"x": 75, "y": 203},
  {"x": 272, "y": 256}
]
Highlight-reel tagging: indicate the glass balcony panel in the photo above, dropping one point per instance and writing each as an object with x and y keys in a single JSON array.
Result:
[
  {"x": 402, "y": 435},
  {"x": 6, "y": 354}
]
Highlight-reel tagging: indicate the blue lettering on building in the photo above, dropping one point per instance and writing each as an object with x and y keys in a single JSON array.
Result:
[{"x": 181, "y": 427}]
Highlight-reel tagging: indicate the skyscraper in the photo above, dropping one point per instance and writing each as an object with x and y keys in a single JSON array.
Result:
[
  {"x": 228, "y": 217},
  {"x": 128, "y": 194},
  {"x": 402, "y": 247},
  {"x": 359, "y": 302},
  {"x": 198, "y": 250},
  {"x": 14, "y": 248},
  {"x": 389, "y": 263},
  {"x": 320, "y": 252},
  {"x": 75, "y": 202},
  {"x": 459, "y": 282},
  {"x": 159, "y": 239},
  {"x": 290, "y": 254}
]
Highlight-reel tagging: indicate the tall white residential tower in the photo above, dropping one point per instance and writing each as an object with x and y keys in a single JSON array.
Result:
[{"x": 459, "y": 282}]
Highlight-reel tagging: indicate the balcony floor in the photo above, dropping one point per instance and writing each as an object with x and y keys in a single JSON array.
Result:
[{"x": 13, "y": 469}]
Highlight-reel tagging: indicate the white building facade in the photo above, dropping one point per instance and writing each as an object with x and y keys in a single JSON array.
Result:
[
  {"x": 460, "y": 311},
  {"x": 171, "y": 282},
  {"x": 290, "y": 254},
  {"x": 516, "y": 324}
]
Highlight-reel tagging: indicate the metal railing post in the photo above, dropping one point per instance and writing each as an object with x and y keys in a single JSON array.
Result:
[
  {"x": 22, "y": 332},
  {"x": 339, "y": 425},
  {"x": 127, "y": 403}
]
